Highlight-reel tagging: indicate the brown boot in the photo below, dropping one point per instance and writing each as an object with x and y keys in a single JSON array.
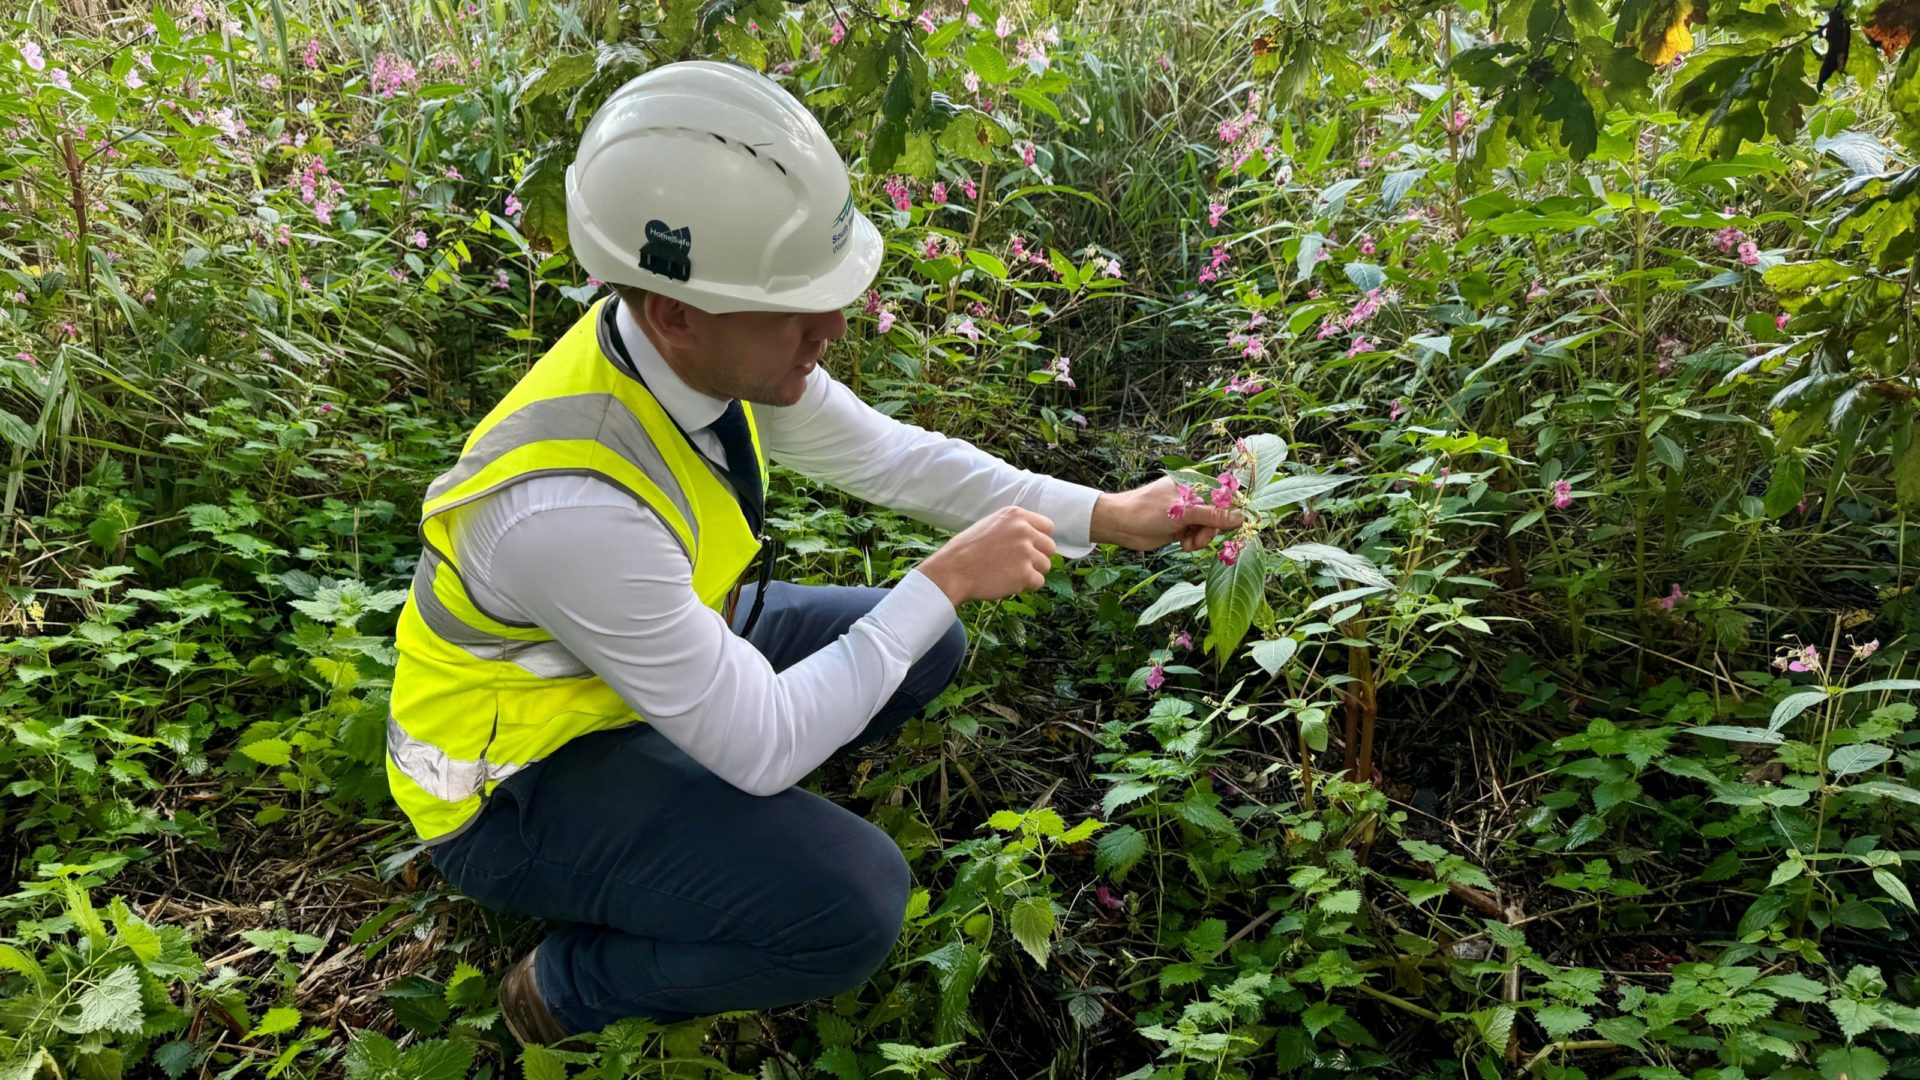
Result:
[{"x": 520, "y": 1005}]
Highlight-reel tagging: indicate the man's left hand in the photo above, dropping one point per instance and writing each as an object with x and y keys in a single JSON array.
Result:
[{"x": 1138, "y": 519}]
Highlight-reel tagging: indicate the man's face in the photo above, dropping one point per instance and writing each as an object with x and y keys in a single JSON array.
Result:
[{"x": 763, "y": 356}]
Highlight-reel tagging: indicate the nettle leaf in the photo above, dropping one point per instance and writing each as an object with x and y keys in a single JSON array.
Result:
[
  {"x": 1032, "y": 923},
  {"x": 112, "y": 1004},
  {"x": 1118, "y": 851},
  {"x": 1118, "y": 796},
  {"x": 1560, "y": 1021},
  {"x": 1852, "y": 1063},
  {"x": 1321, "y": 1015}
]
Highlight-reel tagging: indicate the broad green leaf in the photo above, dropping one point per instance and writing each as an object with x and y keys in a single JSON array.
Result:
[
  {"x": 1296, "y": 489},
  {"x": 990, "y": 263},
  {"x": 1793, "y": 705},
  {"x": 1269, "y": 454},
  {"x": 1321, "y": 1015},
  {"x": 1337, "y": 563},
  {"x": 1178, "y": 598},
  {"x": 1884, "y": 684},
  {"x": 1883, "y": 789},
  {"x": 1785, "y": 487},
  {"x": 1858, "y": 758},
  {"x": 1273, "y": 655},
  {"x": 1032, "y": 924},
  {"x": 1738, "y": 734},
  {"x": 1233, "y": 594},
  {"x": 12, "y": 959},
  {"x": 1893, "y": 886}
]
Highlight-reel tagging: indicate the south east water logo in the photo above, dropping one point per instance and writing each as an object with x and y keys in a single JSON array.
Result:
[
  {"x": 843, "y": 225},
  {"x": 668, "y": 251}
]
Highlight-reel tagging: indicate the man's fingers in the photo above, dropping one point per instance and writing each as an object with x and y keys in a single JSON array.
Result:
[{"x": 1212, "y": 517}]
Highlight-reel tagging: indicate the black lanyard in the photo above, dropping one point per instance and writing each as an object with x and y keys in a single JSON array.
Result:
[{"x": 755, "y": 515}]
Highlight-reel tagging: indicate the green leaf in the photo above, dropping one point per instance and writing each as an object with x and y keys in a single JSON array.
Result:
[
  {"x": 1738, "y": 734},
  {"x": 1852, "y": 1063},
  {"x": 988, "y": 62},
  {"x": 990, "y": 263},
  {"x": 1337, "y": 563},
  {"x": 1121, "y": 794},
  {"x": 1344, "y": 902},
  {"x": 1321, "y": 1015},
  {"x": 1396, "y": 186},
  {"x": 1883, "y": 789},
  {"x": 1884, "y": 684},
  {"x": 1179, "y": 598},
  {"x": 276, "y": 1022},
  {"x": 1118, "y": 850},
  {"x": 538, "y": 1063},
  {"x": 1032, "y": 924},
  {"x": 438, "y": 1059},
  {"x": 1787, "y": 485},
  {"x": 112, "y": 1004},
  {"x": 1893, "y": 886},
  {"x": 12, "y": 959},
  {"x": 1296, "y": 489},
  {"x": 1560, "y": 1021},
  {"x": 1233, "y": 593},
  {"x": 275, "y": 752},
  {"x": 1793, "y": 705},
  {"x": 1858, "y": 758},
  {"x": 1273, "y": 655}
]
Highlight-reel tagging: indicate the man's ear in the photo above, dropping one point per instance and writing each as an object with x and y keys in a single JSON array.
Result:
[{"x": 671, "y": 320}]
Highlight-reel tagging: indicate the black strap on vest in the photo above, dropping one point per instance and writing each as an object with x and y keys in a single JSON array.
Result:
[{"x": 742, "y": 469}]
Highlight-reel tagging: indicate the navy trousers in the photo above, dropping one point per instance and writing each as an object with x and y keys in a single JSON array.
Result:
[{"x": 676, "y": 894}]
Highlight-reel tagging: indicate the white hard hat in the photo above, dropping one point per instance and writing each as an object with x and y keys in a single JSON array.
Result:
[{"x": 709, "y": 183}]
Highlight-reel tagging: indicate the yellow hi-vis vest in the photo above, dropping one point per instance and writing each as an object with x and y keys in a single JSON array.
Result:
[{"x": 477, "y": 698}]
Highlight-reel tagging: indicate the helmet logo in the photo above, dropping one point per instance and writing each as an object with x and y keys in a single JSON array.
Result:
[
  {"x": 843, "y": 224},
  {"x": 668, "y": 251}
]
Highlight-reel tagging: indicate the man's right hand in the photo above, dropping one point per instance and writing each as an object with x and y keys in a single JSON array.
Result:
[{"x": 1007, "y": 552}]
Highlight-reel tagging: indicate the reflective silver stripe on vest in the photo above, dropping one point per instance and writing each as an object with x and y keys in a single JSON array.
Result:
[
  {"x": 448, "y": 779},
  {"x": 601, "y": 418},
  {"x": 546, "y": 659}
]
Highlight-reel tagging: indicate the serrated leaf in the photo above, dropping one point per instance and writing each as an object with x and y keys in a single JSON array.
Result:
[
  {"x": 1344, "y": 902},
  {"x": 1125, "y": 792},
  {"x": 12, "y": 959},
  {"x": 277, "y": 1021},
  {"x": 1181, "y": 974},
  {"x": 112, "y": 1004},
  {"x": 1032, "y": 925},
  {"x": 539, "y": 1063},
  {"x": 274, "y": 752},
  {"x": 1496, "y": 1026},
  {"x": 1233, "y": 594},
  {"x": 1560, "y": 1021},
  {"x": 438, "y": 1059},
  {"x": 1852, "y": 1063},
  {"x": 1321, "y": 1015},
  {"x": 1118, "y": 850},
  {"x": 1085, "y": 1009},
  {"x": 1005, "y": 820}
]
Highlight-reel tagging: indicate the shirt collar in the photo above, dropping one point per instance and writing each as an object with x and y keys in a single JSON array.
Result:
[{"x": 690, "y": 408}]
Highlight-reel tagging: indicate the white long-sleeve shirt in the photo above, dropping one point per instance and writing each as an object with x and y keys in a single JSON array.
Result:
[{"x": 579, "y": 558}]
